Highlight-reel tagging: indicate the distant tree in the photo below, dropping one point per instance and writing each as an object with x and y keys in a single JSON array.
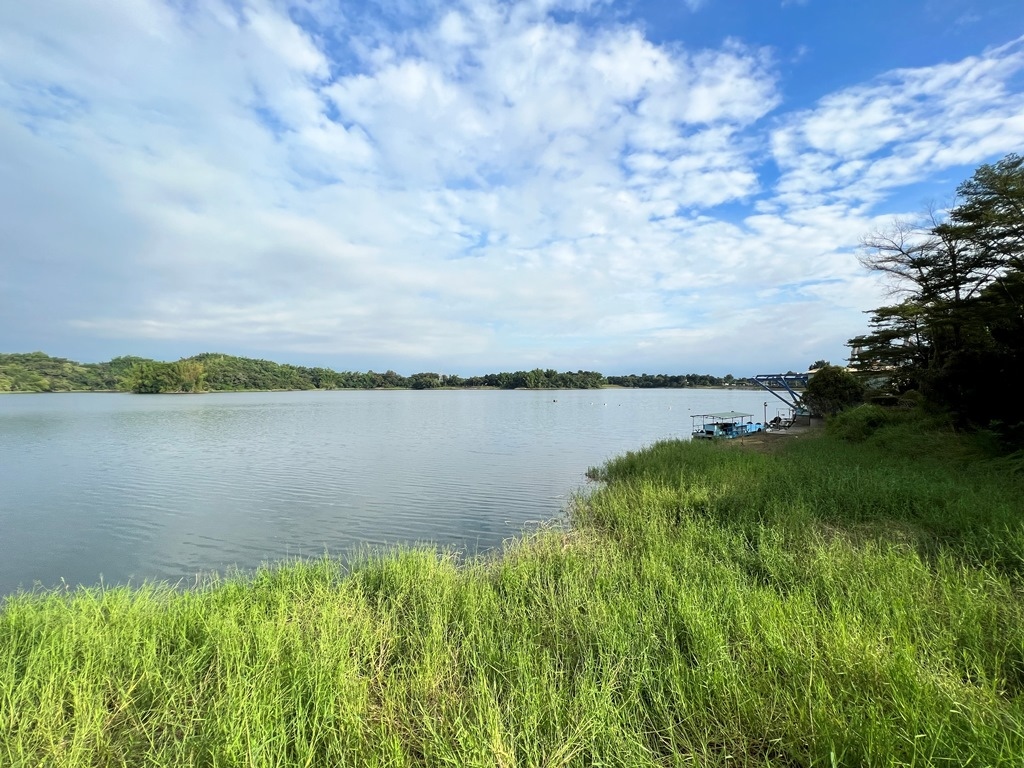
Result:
[
  {"x": 819, "y": 364},
  {"x": 191, "y": 376},
  {"x": 392, "y": 379},
  {"x": 425, "y": 380},
  {"x": 832, "y": 389},
  {"x": 663, "y": 381},
  {"x": 153, "y": 378},
  {"x": 117, "y": 373}
]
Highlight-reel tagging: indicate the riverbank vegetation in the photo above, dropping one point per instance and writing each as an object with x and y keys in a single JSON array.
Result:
[
  {"x": 38, "y": 372},
  {"x": 852, "y": 599},
  {"x": 212, "y": 372}
]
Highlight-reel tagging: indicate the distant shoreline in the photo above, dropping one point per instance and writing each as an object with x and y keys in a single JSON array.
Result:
[
  {"x": 744, "y": 388},
  {"x": 216, "y": 372}
]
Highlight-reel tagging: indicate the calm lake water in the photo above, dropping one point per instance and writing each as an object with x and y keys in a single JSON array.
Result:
[{"x": 126, "y": 488}]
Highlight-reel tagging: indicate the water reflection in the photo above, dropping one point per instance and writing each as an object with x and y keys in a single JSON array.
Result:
[{"x": 163, "y": 487}]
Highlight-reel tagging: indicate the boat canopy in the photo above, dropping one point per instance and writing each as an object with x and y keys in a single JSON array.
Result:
[{"x": 724, "y": 415}]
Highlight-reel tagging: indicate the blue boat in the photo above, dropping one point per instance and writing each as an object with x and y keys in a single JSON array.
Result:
[{"x": 726, "y": 425}]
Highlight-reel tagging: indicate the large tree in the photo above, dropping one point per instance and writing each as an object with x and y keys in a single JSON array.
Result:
[{"x": 958, "y": 332}]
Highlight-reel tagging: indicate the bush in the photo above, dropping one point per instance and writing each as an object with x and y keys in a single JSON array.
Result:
[
  {"x": 832, "y": 389},
  {"x": 858, "y": 424}
]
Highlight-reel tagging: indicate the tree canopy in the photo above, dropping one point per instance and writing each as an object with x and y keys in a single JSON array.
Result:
[
  {"x": 957, "y": 332},
  {"x": 831, "y": 389},
  {"x": 39, "y": 372},
  {"x": 216, "y": 372}
]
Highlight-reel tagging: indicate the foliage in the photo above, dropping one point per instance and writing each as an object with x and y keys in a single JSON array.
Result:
[
  {"x": 215, "y": 372},
  {"x": 957, "y": 335},
  {"x": 661, "y": 380},
  {"x": 151, "y": 378},
  {"x": 230, "y": 373},
  {"x": 831, "y": 389},
  {"x": 38, "y": 372},
  {"x": 836, "y": 604},
  {"x": 538, "y": 379},
  {"x": 426, "y": 381},
  {"x": 856, "y": 425}
]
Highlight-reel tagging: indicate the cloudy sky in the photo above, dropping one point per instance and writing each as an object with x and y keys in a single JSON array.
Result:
[{"x": 473, "y": 186}]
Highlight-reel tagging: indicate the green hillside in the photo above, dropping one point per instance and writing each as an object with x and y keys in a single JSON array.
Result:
[
  {"x": 38, "y": 372},
  {"x": 215, "y": 372}
]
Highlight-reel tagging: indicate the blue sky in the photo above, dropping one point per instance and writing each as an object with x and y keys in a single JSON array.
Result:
[{"x": 474, "y": 186}]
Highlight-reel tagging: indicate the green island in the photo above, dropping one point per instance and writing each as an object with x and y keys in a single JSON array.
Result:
[
  {"x": 842, "y": 597},
  {"x": 214, "y": 372}
]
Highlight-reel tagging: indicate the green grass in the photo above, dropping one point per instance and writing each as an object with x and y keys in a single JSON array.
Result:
[{"x": 854, "y": 600}]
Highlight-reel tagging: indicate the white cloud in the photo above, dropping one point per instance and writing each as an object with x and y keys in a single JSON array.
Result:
[
  {"x": 858, "y": 144},
  {"x": 490, "y": 188}
]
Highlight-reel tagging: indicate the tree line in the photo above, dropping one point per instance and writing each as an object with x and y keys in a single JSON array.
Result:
[
  {"x": 214, "y": 372},
  {"x": 665, "y": 381},
  {"x": 955, "y": 332},
  {"x": 38, "y": 372}
]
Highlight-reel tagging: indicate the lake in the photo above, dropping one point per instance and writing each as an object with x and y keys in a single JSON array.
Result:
[{"x": 126, "y": 488}]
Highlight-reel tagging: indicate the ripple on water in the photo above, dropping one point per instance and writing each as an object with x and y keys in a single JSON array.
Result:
[{"x": 165, "y": 487}]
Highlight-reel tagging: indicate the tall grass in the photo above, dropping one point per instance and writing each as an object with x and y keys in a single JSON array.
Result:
[{"x": 838, "y": 603}]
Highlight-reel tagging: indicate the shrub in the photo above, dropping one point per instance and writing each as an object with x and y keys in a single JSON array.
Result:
[
  {"x": 832, "y": 389},
  {"x": 858, "y": 424}
]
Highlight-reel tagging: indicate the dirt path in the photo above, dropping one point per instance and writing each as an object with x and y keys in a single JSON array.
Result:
[{"x": 769, "y": 442}]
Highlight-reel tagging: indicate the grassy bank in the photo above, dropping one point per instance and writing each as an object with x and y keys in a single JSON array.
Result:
[{"x": 853, "y": 599}]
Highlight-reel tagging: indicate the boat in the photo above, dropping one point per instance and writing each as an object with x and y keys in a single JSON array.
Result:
[{"x": 726, "y": 425}]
